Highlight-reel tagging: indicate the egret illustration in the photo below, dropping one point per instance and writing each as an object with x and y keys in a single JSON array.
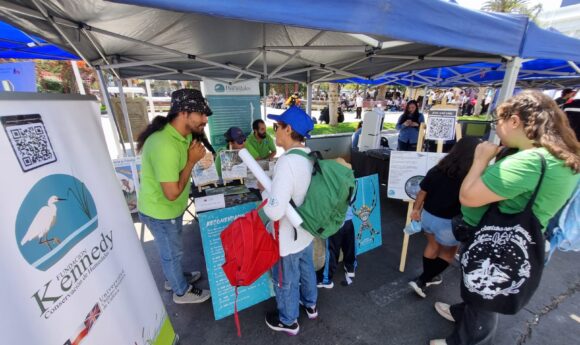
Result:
[{"x": 42, "y": 223}]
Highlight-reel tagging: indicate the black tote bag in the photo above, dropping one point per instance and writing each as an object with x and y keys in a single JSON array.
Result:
[{"x": 502, "y": 263}]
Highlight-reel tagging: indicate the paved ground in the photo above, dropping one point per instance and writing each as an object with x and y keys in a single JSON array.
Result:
[{"x": 379, "y": 308}]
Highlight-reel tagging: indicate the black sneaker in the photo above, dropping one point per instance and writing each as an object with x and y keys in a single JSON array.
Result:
[
  {"x": 273, "y": 321},
  {"x": 435, "y": 281},
  {"x": 419, "y": 287},
  {"x": 312, "y": 312}
]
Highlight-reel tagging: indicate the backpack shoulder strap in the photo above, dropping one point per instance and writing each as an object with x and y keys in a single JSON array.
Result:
[{"x": 313, "y": 156}]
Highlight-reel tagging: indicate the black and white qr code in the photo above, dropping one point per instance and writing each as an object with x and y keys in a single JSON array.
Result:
[
  {"x": 29, "y": 140},
  {"x": 441, "y": 128}
]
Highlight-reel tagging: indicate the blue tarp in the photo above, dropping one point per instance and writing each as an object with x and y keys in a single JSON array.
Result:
[{"x": 14, "y": 44}]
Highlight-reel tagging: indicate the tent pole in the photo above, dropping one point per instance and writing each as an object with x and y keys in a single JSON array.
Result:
[
  {"x": 126, "y": 117},
  {"x": 265, "y": 71},
  {"x": 150, "y": 98},
  {"x": 78, "y": 78},
  {"x": 308, "y": 94},
  {"x": 107, "y": 100},
  {"x": 424, "y": 103},
  {"x": 507, "y": 87}
]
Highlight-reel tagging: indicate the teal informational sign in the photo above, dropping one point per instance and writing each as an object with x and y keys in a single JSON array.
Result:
[
  {"x": 235, "y": 105},
  {"x": 367, "y": 214},
  {"x": 223, "y": 295}
]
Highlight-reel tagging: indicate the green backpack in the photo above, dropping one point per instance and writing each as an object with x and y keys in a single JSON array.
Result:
[{"x": 328, "y": 196}]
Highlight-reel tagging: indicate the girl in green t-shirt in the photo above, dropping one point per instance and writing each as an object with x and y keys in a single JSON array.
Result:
[{"x": 529, "y": 121}]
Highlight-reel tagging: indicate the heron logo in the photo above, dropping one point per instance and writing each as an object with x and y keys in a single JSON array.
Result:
[
  {"x": 219, "y": 88},
  {"x": 57, "y": 213}
]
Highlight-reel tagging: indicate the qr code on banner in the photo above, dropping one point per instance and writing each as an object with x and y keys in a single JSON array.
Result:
[
  {"x": 29, "y": 140},
  {"x": 441, "y": 128}
]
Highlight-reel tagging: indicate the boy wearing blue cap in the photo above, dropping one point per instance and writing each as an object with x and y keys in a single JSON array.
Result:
[
  {"x": 291, "y": 180},
  {"x": 235, "y": 139}
]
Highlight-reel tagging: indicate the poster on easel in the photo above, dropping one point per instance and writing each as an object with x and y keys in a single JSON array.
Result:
[
  {"x": 233, "y": 168},
  {"x": 69, "y": 245},
  {"x": 406, "y": 171},
  {"x": 367, "y": 214},
  {"x": 223, "y": 295},
  {"x": 204, "y": 172},
  {"x": 441, "y": 124},
  {"x": 128, "y": 177}
]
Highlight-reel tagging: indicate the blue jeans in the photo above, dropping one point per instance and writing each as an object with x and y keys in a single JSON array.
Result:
[
  {"x": 298, "y": 284},
  {"x": 167, "y": 234}
]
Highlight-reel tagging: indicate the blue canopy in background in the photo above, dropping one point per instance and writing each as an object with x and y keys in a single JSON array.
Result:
[
  {"x": 15, "y": 44},
  {"x": 543, "y": 73}
]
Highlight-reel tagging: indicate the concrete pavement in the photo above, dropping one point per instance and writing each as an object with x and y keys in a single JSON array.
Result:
[{"x": 379, "y": 308}]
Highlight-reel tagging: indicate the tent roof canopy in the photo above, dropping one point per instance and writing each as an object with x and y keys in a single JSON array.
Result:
[{"x": 308, "y": 41}]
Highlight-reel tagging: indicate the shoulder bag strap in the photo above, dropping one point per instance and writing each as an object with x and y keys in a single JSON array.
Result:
[{"x": 535, "y": 194}]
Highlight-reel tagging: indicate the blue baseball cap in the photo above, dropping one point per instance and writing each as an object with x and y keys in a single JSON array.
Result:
[
  {"x": 235, "y": 134},
  {"x": 300, "y": 122}
]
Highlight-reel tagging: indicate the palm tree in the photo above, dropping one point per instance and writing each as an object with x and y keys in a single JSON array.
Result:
[{"x": 513, "y": 6}]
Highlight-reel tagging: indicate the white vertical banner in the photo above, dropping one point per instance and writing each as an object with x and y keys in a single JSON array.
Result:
[{"x": 74, "y": 268}]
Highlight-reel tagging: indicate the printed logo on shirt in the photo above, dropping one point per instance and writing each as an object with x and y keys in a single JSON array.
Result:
[{"x": 273, "y": 202}]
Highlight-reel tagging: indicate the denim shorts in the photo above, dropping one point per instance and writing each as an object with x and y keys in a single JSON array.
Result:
[{"x": 439, "y": 227}]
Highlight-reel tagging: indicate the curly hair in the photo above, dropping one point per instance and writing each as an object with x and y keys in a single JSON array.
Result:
[{"x": 545, "y": 124}]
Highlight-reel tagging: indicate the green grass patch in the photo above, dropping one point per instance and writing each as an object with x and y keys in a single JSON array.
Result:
[
  {"x": 345, "y": 127},
  {"x": 475, "y": 118}
]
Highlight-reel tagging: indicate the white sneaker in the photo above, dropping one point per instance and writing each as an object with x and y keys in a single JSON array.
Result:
[
  {"x": 443, "y": 310},
  {"x": 329, "y": 285},
  {"x": 348, "y": 274},
  {"x": 191, "y": 277},
  {"x": 438, "y": 342},
  {"x": 192, "y": 295}
]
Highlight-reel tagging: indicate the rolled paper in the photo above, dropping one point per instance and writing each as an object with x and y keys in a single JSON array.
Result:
[{"x": 266, "y": 182}]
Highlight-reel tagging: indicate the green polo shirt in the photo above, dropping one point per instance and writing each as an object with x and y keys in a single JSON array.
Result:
[
  {"x": 164, "y": 156},
  {"x": 260, "y": 150},
  {"x": 515, "y": 178}
]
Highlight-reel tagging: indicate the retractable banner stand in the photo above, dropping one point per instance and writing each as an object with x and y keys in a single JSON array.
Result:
[
  {"x": 73, "y": 268},
  {"x": 236, "y": 105}
]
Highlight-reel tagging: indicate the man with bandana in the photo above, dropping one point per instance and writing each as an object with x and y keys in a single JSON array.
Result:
[{"x": 170, "y": 146}]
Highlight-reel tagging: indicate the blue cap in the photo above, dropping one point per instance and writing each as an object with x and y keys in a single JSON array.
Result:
[
  {"x": 235, "y": 134},
  {"x": 300, "y": 122}
]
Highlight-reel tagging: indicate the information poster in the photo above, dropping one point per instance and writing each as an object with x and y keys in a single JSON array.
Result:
[
  {"x": 367, "y": 214},
  {"x": 441, "y": 124},
  {"x": 407, "y": 170},
  {"x": 76, "y": 271},
  {"x": 138, "y": 116},
  {"x": 235, "y": 105},
  {"x": 18, "y": 76},
  {"x": 223, "y": 294},
  {"x": 204, "y": 171},
  {"x": 233, "y": 168},
  {"x": 126, "y": 171}
]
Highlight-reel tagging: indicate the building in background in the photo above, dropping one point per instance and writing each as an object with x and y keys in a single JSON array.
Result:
[{"x": 565, "y": 19}]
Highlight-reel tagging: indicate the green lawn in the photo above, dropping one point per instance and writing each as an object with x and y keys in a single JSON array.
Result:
[
  {"x": 345, "y": 127},
  {"x": 474, "y": 117}
]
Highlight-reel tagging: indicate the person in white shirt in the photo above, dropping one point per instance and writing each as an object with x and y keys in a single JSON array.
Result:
[
  {"x": 293, "y": 276},
  {"x": 359, "y": 105}
]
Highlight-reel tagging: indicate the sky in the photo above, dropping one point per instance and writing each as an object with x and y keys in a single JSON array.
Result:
[{"x": 476, "y": 4}]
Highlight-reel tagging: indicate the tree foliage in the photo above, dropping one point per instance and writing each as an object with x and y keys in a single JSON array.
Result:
[{"x": 513, "y": 6}]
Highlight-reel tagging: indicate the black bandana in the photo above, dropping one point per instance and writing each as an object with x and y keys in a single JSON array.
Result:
[{"x": 189, "y": 100}]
